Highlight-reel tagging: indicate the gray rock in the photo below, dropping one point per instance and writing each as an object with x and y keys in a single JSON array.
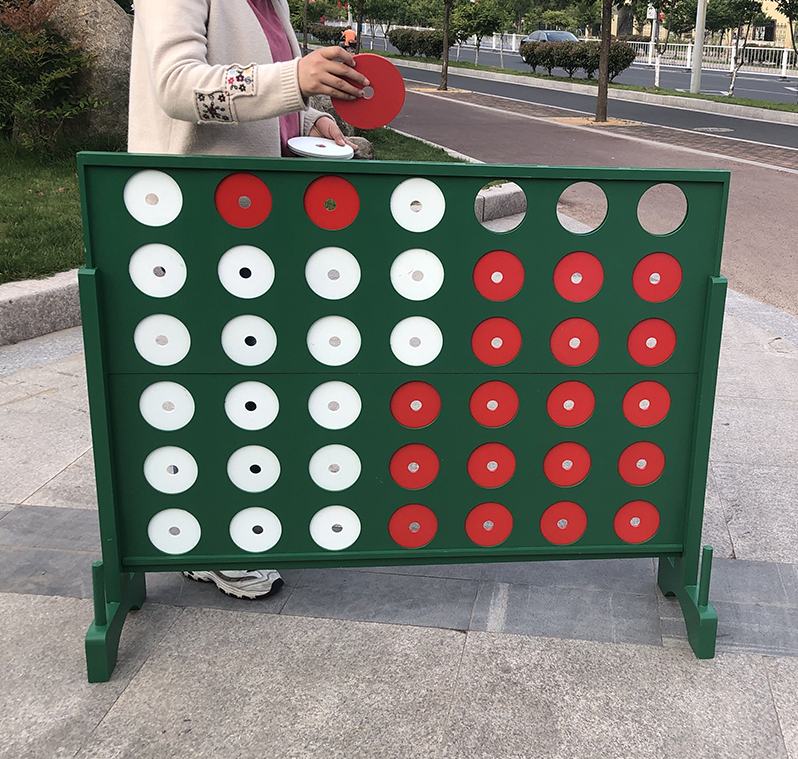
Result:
[
  {"x": 365, "y": 150},
  {"x": 324, "y": 104}
]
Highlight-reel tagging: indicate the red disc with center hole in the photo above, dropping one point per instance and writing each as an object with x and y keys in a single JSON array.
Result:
[
  {"x": 657, "y": 277},
  {"x": 636, "y": 522},
  {"x": 579, "y": 276},
  {"x": 413, "y": 526},
  {"x": 489, "y": 524},
  {"x": 563, "y": 523},
  {"x": 415, "y": 404},
  {"x": 494, "y": 404},
  {"x": 243, "y": 200},
  {"x": 567, "y": 464},
  {"x": 646, "y": 403},
  {"x": 496, "y": 341},
  {"x": 414, "y": 466},
  {"x": 491, "y": 465},
  {"x": 389, "y": 94},
  {"x": 571, "y": 404},
  {"x": 574, "y": 342},
  {"x": 499, "y": 275},
  {"x": 641, "y": 463},
  {"x": 651, "y": 342},
  {"x": 331, "y": 202}
]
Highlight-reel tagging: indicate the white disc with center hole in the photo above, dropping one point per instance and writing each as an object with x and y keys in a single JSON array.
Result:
[
  {"x": 320, "y": 147},
  {"x": 157, "y": 270},
  {"x": 174, "y": 531},
  {"x": 253, "y": 468},
  {"x": 335, "y": 527},
  {"x": 334, "y": 405},
  {"x": 333, "y": 340},
  {"x": 246, "y": 271},
  {"x": 251, "y": 405},
  {"x": 255, "y": 529},
  {"x": 166, "y": 406},
  {"x": 162, "y": 340},
  {"x": 170, "y": 469},
  {"x": 417, "y": 274},
  {"x": 332, "y": 273},
  {"x": 249, "y": 340},
  {"x": 334, "y": 467},
  {"x": 416, "y": 341},
  {"x": 153, "y": 198},
  {"x": 417, "y": 204}
]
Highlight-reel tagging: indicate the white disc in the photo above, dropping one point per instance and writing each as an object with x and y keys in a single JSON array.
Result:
[
  {"x": 162, "y": 340},
  {"x": 255, "y": 529},
  {"x": 249, "y": 340},
  {"x": 157, "y": 270},
  {"x": 334, "y": 467},
  {"x": 166, "y": 406},
  {"x": 170, "y": 469},
  {"x": 416, "y": 341},
  {"x": 335, "y": 527},
  {"x": 334, "y": 405},
  {"x": 332, "y": 273},
  {"x": 153, "y": 198},
  {"x": 417, "y": 204},
  {"x": 417, "y": 274},
  {"x": 246, "y": 271},
  {"x": 253, "y": 468},
  {"x": 333, "y": 340},
  {"x": 251, "y": 405},
  {"x": 174, "y": 531},
  {"x": 320, "y": 147}
]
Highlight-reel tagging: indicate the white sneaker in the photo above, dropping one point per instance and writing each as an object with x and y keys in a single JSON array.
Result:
[{"x": 251, "y": 583}]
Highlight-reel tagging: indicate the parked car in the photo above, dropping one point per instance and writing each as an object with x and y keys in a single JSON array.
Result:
[{"x": 547, "y": 35}]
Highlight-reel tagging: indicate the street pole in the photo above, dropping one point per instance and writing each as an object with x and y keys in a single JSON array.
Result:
[{"x": 698, "y": 49}]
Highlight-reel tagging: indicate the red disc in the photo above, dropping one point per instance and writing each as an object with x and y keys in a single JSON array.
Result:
[
  {"x": 651, "y": 342},
  {"x": 578, "y": 276},
  {"x": 496, "y": 341},
  {"x": 563, "y": 523},
  {"x": 494, "y": 404},
  {"x": 491, "y": 465},
  {"x": 646, "y": 403},
  {"x": 574, "y": 342},
  {"x": 641, "y": 463},
  {"x": 415, "y": 404},
  {"x": 243, "y": 200},
  {"x": 413, "y": 526},
  {"x": 657, "y": 277},
  {"x": 499, "y": 275},
  {"x": 636, "y": 522},
  {"x": 384, "y": 105},
  {"x": 571, "y": 404},
  {"x": 414, "y": 466},
  {"x": 331, "y": 202},
  {"x": 567, "y": 464},
  {"x": 489, "y": 524}
]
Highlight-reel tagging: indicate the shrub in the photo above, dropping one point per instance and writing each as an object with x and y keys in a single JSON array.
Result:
[
  {"x": 430, "y": 43},
  {"x": 404, "y": 40},
  {"x": 573, "y": 56},
  {"x": 591, "y": 51},
  {"x": 546, "y": 55},
  {"x": 622, "y": 56},
  {"x": 568, "y": 56},
  {"x": 327, "y": 35},
  {"x": 529, "y": 52}
]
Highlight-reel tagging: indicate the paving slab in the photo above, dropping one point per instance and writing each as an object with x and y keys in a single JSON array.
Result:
[
  {"x": 73, "y": 488},
  {"x": 715, "y": 531},
  {"x": 783, "y": 679},
  {"x": 50, "y": 527},
  {"x": 47, "y": 571},
  {"x": 40, "y": 350}
]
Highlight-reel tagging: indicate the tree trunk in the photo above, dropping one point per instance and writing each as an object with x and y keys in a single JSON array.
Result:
[
  {"x": 305, "y": 28},
  {"x": 604, "y": 61},
  {"x": 476, "y": 59},
  {"x": 447, "y": 12},
  {"x": 360, "y": 13}
]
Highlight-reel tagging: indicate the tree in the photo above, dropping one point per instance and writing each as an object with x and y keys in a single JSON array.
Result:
[
  {"x": 383, "y": 13},
  {"x": 480, "y": 18},
  {"x": 447, "y": 16},
  {"x": 744, "y": 13},
  {"x": 604, "y": 61},
  {"x": 790, "y": 9}
]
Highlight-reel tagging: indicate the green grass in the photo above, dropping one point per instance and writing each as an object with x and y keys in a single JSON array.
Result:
[{"x": 390, "y": 146}]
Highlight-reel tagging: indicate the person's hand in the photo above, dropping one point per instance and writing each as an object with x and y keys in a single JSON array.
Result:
[
  {"x": 325, "y": 72},
  {"x": 326, "y": 127}
]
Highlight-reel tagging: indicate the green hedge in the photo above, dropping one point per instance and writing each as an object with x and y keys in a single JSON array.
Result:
[
  {"x": 328, "y": 35},
  {"x": 424, "y": 43},
  {"x": 573, "y": 56}
]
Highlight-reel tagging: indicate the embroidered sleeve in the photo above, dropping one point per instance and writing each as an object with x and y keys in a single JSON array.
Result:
[{"x": 218, "y": 106}]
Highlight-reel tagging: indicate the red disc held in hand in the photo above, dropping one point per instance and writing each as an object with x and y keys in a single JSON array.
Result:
[
  {"x": 567, "y": 464},
  {"x": 491, "y": 465},
  {"x": 578, "y": 277},
  {"x": 415, "y": 404},
  {"x": 641, "y": 463},
  {"x": 657, "y": 277},
  {"x": 646, "y": 403},
  {"x": 563, "y": 523},
  {"x": 496, "y": 341},
  {"x": 494, "y": 404},
  {"x": 489, "y": 524},
  {"x": 413, "y": 526},
  {"x": 385, "y": 94},
  {"x": 651, "y": 342},
  {"x": 243, "y": 200},
  {"x": 414, "y": 466},
  {"x": 636, "y": 522},
  {"x": 571, "y": 404},
  {"x": 499, "y": 275},
  {"x": 574, "y": 342},
  {"x": 331, "y": 203}
]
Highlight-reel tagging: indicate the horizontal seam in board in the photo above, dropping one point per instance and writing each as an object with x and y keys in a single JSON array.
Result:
[{"x": 332, "y": 375}]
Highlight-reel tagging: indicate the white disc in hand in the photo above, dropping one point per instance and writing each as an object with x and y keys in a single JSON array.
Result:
[{"x": 320, "y": 147}]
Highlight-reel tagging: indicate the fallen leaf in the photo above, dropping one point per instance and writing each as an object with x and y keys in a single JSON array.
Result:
[
  {"x": 62, "y": 189},
  {"x": 40, "y": 193}
]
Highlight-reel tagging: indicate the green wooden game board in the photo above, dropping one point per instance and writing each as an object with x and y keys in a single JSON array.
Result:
[{"x": 297, "y": 363}]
